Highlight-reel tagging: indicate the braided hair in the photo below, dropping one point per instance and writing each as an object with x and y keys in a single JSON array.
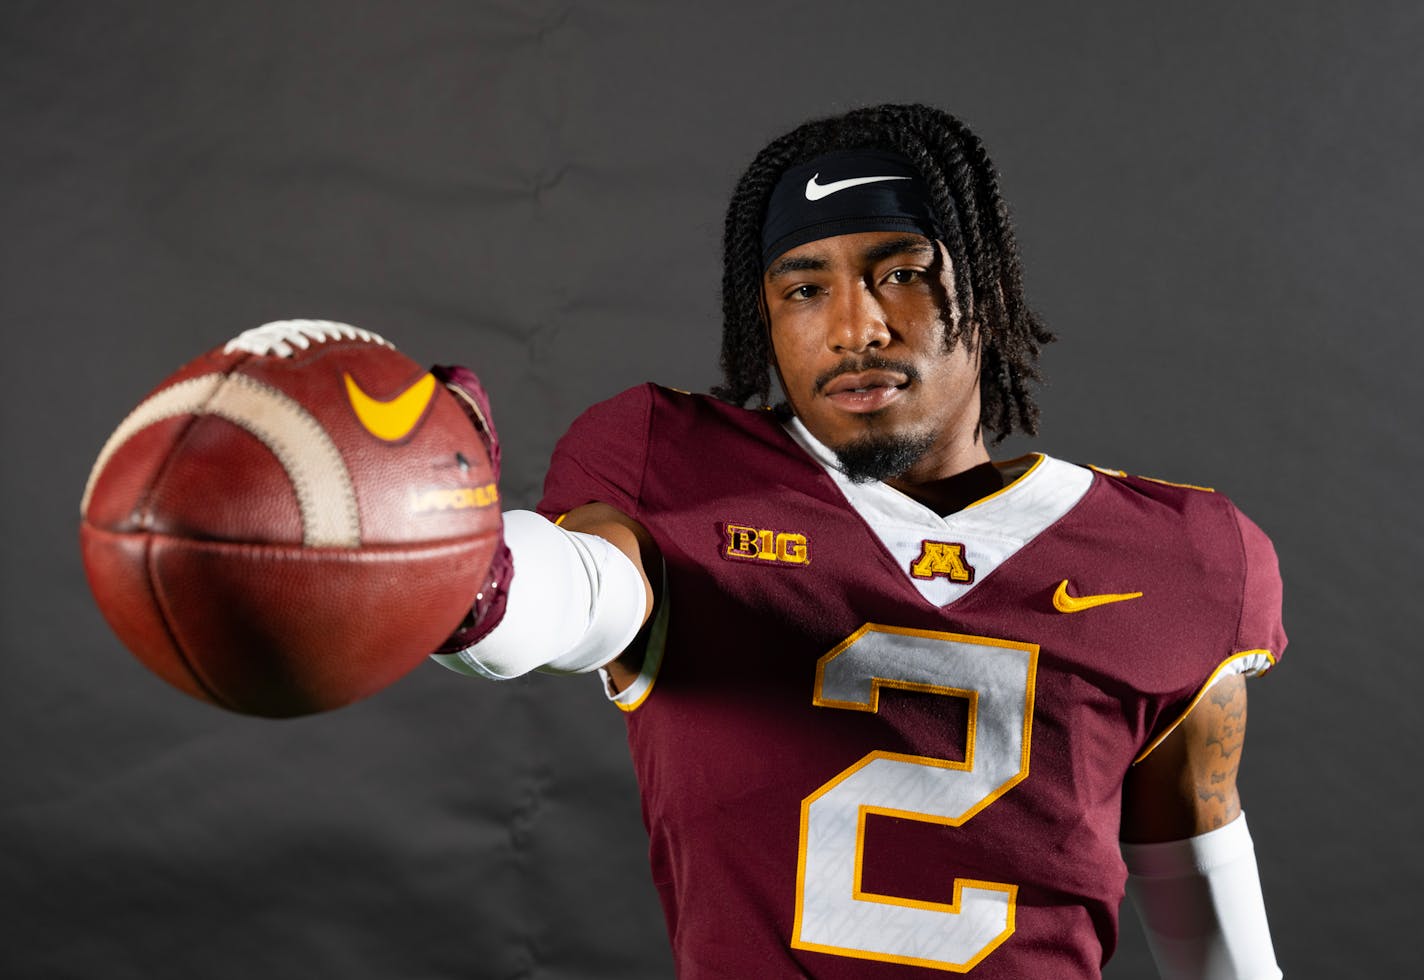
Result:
[{"x": 964, "y": 189}]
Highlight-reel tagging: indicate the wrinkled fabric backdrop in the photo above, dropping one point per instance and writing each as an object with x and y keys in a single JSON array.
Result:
[{"x": 1220, "y": 211}]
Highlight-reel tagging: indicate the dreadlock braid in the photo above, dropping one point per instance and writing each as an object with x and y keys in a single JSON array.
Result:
[{"x": 978, "y": 235}]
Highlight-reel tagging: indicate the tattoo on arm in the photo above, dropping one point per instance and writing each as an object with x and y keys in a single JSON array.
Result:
[
  {"x": 1187, "y": 785},
  {"x": 1220, "y": 757}
]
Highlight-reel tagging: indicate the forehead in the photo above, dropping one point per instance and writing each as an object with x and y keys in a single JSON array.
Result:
[{"x": 858, "y": 249}]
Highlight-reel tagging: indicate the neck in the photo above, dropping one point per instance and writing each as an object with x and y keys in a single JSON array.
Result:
[{"x": 949, "y": 481}]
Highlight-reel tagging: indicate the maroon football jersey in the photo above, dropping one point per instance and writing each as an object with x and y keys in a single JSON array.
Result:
[{"x": 877, "y": 742}]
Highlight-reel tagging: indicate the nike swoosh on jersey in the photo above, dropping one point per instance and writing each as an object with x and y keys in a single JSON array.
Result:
[
  {"x": 394, "y": 419},
  {"x": 1066, "y": 603},
  {"x": 815, "y": 191}
]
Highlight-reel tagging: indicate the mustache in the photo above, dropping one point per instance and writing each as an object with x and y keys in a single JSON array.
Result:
[{"x": 870, "y": 362}]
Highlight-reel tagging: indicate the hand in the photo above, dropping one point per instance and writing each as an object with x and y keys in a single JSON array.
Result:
[{"x": 487, "y": 607}]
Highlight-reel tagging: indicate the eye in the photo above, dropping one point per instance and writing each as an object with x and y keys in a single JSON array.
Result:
[
  {"x": 803, "y": 291},
  {"x": 903, "y": 277}
]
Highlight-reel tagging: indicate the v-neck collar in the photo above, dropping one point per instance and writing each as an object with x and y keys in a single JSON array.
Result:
[{"x": 983, "y": 535}]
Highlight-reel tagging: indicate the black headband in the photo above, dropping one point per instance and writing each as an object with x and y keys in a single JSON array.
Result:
[{"x": 843, "y": 192}]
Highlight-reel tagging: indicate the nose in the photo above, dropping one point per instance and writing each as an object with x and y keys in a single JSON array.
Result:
[{"x": 857, "y": 320}]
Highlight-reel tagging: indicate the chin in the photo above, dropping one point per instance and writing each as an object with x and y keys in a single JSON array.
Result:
[{"x": 879, "y": 455}]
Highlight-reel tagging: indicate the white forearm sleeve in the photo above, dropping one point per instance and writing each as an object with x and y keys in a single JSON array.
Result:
[
  {"x": 1201, "y": 906},
  {"x": 574, "y": 603}
]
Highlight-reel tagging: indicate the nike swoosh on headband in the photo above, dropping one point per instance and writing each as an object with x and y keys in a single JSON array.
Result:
[
  {"x": 391, "y": 420},
  {"x": 815, "y": 191}
]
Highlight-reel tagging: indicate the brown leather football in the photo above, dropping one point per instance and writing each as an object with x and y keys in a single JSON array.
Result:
[{"x": 290, "y": 522}]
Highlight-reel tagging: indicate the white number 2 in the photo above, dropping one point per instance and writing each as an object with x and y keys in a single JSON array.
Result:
[{"x": 833, "y": 913}]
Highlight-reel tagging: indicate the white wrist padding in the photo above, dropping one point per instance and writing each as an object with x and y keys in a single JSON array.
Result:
[
  {"x": 1201, "y": 906},
  {"x": 574, "y": 603}
]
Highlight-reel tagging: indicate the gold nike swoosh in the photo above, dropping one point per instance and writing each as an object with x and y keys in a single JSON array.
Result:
[
  {"x": 391, "y": 420},
  {"x": 1066, "y": 603}
]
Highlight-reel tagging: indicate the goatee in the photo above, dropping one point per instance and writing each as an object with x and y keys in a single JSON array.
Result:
[{"x": 881, "y": 457}]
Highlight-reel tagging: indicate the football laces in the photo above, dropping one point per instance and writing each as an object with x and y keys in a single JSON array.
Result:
[{"x": 283, "y": 338}]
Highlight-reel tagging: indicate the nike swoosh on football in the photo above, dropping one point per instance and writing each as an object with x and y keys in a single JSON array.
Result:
[
  {"x": 815, "y": 191},
  {"x": 394, "y": 419},
  {"x": 1066, "y": 603}
]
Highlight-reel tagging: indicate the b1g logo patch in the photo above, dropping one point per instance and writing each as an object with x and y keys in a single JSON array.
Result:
[
  {"x": 744, "y": 543},
  {"x": 944, "y": 558}
]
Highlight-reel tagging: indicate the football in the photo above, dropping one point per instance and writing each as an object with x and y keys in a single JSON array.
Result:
[{"x": 290, "y": 522}]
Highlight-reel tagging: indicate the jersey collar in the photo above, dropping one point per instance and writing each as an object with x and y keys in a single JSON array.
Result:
[{"x": 991, "y": 530}]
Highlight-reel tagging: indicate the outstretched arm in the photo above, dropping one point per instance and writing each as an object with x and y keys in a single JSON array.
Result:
[
  {"x": 568, "y": 601},
  {"x": 565, "y": 597},
  {"x": 636, "y": 544},
  {"x": 1192, "y": 866}
]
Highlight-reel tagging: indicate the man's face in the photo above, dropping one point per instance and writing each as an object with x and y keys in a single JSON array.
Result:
[{"x": 860, "y": 329}]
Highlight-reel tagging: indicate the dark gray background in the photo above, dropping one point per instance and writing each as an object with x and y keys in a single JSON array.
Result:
[{"x": 1220, "y": 210}]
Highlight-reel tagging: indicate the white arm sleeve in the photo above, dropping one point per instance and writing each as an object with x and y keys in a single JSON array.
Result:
[
  {"x": 574, "y": 603},
  {"x": 1201, "y": 906}
]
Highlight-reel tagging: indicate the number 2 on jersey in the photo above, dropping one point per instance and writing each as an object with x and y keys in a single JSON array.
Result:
[{"x": 833, "y": 914}]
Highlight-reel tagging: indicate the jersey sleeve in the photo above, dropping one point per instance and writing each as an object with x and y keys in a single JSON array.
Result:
[
  {"x": 1260, "y": 633},
  {"x": 1258, "y": 637},
  {"x": 601, "y": 458}
]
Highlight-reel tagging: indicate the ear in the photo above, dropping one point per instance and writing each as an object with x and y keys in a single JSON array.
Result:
[
  {"x": 773, "y": 367},
  {"x": 948, "y": 296},
  {"x": 765, "y": 312}
]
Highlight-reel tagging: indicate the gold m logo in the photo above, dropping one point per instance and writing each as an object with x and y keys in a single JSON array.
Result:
[
  {"x": 942, "y": 558},
  {"x": 391, "y": 420}
]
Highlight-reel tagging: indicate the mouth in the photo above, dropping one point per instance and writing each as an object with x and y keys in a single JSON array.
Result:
[{"x": 865, "y": 391}]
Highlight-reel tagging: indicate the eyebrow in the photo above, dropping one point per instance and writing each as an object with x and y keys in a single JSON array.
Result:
[
  {"x": 910, "y": 244},
  {"x": 898, "y": 246},
  {"x": 795, "y": 263}
]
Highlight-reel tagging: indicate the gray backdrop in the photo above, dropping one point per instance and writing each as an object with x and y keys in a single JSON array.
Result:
[{"x": 1219, "y": 206}]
